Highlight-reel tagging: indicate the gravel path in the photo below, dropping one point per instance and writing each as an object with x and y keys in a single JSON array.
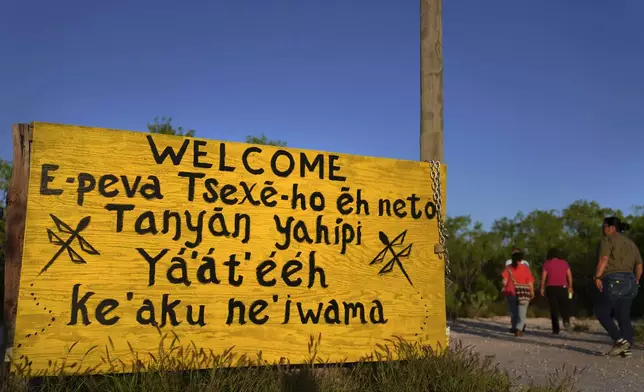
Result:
[{"x": 536, "y": 355}]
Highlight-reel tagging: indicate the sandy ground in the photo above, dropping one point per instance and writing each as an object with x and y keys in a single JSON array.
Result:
[{"x": 539, "y": 353}]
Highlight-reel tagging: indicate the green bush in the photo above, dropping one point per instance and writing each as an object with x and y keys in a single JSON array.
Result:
[
  {"x": 452, "y": 304},
  {"x": 581, "y": 326},
  {"x": 536, "y": 311},
  {"x": 477, "y": 304},
  {"x": 487, "y": 309},
  {"x": 416, "y": 368},
  {"x": 472, "y": 303},
  {"x": 498, "y": 308},
  {"x": 638, "y": 328}
]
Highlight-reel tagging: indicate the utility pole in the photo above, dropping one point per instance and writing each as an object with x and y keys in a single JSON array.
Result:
[{"x": 431, "y": 80}]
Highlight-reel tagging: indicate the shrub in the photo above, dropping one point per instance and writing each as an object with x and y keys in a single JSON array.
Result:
[
  {"x": 537, "y": 311},
  {"x": 452, "y": 304},
  {"x": 638, "y": 329},
  {"x": 477, "y": 304},
  {"x": 581, "y": 326},
  {"x": 498, "y": 308}
]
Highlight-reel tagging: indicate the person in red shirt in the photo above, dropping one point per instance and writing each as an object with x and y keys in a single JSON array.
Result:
[
  {"x": 521, "y": 274},
  {"x": 556, "y": 285}
]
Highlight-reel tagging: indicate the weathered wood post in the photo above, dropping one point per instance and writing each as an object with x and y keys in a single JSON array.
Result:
[
  {"x": 431, "y": 80},
  {"x": 15, "y": 227},
  {"x": 431, "y": 98}
]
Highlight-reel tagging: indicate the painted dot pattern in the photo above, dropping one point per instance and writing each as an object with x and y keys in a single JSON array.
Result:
[
  {"x": 44, "y": 308},
  {"x": 424, "y": 324}
]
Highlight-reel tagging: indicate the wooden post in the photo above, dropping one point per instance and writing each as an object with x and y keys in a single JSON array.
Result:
[
  {"x": 15, "y": 226},
  {"x": 431, "y": 80}
]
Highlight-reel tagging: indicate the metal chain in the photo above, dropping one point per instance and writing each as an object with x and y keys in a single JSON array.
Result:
[{"x": 442, "y": 230}]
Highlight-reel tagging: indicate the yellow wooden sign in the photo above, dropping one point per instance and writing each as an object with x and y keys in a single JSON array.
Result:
[{"x": 224, "y": 245}]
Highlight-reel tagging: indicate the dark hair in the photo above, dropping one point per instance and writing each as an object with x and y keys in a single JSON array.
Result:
[
  {"x": 516, "y": 257},
  {"x": 553, "y": 253},
  {"x": 617, "y": 223}
]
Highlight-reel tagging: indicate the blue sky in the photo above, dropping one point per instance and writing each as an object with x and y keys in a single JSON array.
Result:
[{"x": 544, "y": 101}]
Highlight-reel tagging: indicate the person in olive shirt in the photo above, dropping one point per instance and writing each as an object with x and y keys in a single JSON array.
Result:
[{"x": 617, "y": 278}]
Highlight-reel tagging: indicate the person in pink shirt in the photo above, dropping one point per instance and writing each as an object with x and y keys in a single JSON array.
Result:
[{"x": 556, "y": 285}]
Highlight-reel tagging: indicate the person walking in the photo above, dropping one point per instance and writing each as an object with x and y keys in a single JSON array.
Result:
[
  {"x": 617, "y": 278},
  {"x": 556, "y": 285},
  {"x": 518, "y": 288},
  {"x": 517, "y": 250},
  {"x": 524, "y": 262}
]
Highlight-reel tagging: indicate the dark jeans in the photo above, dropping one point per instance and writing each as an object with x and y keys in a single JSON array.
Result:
[
  {"x": 559, "y": 305},
  {"x": 620, "y": 289}
]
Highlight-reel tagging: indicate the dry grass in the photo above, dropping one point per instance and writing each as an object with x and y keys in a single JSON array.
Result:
[{"x": 398, "y": 366}]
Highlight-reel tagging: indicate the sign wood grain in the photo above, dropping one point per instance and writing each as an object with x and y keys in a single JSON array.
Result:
[{"x": 224, "y": 245}]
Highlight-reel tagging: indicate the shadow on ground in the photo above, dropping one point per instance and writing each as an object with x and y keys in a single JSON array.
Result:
[{"x": 500, "y": 331}]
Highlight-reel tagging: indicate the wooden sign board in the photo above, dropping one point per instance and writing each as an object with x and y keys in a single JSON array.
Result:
[{"x": 224, "y": 245}]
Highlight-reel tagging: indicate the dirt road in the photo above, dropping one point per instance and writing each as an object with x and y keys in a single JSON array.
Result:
[{"x": 539, "y": 353}]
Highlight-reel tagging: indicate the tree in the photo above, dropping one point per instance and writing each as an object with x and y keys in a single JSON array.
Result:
[
  {"x": 165, "y": 127},
  {"x": 478, "y": 256},
  {"x": 474, "y": 253},
  {"x": 265, "y": 141},
  {"x": 5, "y": 178}
]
